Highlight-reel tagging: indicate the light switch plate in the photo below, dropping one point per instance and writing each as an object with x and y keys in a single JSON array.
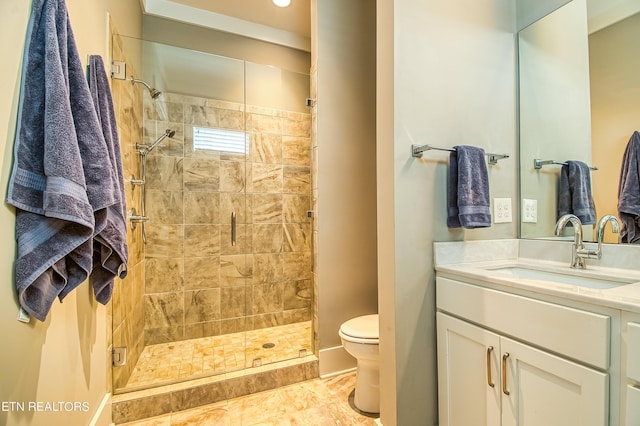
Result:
[
  {"x": 502, "y": 210},
  {"x": 529, "y": 210}
]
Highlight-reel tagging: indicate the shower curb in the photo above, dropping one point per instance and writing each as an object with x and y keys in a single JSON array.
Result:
[{"x": 143, "y": 404}]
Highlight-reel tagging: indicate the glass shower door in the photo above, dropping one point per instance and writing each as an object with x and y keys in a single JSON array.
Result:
[
  {"x": 181, "y": 311},
  {"x": 278, "y": 127},
  {"x": 224, "y": 280}
]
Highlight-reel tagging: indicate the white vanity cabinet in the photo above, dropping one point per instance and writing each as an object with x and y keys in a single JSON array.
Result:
[
  {"x": 544, "y": 389},
  {"x": 630, "y": 369},
  {"x": 505, "y": 359},
  {"x": 488, "y": 379},
  {"x": 468, "y": 373}
]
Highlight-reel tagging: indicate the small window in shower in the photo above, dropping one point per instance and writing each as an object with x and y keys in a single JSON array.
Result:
[{"x": 220, "y": 140}]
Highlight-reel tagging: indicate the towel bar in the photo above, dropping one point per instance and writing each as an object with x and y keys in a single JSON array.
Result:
[
  {"x": 538, "y": 163},
  {"x": 417, "y": 150}
]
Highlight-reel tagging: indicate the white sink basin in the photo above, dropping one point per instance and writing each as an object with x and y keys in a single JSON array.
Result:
[{"x": 561, "y": 277}]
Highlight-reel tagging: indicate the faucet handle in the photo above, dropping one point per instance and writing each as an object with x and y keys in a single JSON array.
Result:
[{"x": 587, "y": 253}]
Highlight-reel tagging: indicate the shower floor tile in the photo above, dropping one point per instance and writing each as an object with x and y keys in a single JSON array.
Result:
[{"x": 173, "y": 362}]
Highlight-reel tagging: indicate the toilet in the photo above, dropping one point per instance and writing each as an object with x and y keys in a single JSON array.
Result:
[{"x": 360, "y": 339}]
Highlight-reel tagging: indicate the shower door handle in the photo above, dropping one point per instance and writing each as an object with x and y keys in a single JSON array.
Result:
[{"x": 233, "y": 228}]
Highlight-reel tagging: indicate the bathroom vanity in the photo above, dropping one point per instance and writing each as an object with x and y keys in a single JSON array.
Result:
[{"x": 523, "y": 339}]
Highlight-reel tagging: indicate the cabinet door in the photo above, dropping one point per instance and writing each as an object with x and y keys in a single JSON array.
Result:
[
  {"x": 547, "y": 390},
  {"x": 633, "y": 406},
  {"x": 633, "y": 351},
  {"x": 468, "y": 375}
]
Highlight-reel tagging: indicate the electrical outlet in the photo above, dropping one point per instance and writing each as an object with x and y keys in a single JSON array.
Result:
[
  {"x": 502, "y": 210},
  {"x": 529, "y": 210}
]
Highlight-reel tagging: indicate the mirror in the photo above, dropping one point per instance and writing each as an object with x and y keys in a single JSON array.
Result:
[{"x": 579, "y": 77}]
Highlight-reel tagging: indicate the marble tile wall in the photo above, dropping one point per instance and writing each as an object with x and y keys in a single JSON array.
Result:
[
  {"x": 128, "y": 294},
  {"x": 198, "y": 284}
]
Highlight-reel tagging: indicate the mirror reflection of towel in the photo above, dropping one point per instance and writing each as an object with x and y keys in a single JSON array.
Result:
[
  {"x": 574, "y": 192},
  {"x": 468, "y": 196},
  {"x": 629, "y": 192}
]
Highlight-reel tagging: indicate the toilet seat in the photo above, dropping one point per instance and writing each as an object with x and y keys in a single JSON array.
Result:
[{"x": 362, "y": 329}]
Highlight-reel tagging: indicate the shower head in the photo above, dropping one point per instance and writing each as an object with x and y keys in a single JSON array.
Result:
[
  {"x": 144, "y": 149},
  {"x": 155, "y": 93}
]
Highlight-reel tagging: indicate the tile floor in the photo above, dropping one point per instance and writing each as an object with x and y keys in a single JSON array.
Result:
[
  {"x": 314, "y": 402},
  {"x": 189, "y": 359}
]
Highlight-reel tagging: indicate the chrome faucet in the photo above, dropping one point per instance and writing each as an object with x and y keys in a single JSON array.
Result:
[
  {"x": 579, "y": 252},
  {"x": 602, "y": 223}
]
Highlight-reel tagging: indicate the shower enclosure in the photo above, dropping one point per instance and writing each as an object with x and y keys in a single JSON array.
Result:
[{"x": 224, "y": 279}]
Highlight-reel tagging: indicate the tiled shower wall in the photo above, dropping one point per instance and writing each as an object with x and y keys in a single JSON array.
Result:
[
  {"x": 197, "y": 283},
  {"x": 127, "y": 302}
]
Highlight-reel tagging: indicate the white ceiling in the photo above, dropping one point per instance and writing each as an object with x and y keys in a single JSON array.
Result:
[
  {"x": 295, "y": 18},
  {"x": 260, "y": 19},
  {"x": 603, "y": 13}
]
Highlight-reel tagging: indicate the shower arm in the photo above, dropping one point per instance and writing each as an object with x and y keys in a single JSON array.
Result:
[
  {"x": 144, "y": 150},
  {"x": 153, "y": 92},
  {"x": 149, "y": 148},
  {"x": 144, "y": 83}
]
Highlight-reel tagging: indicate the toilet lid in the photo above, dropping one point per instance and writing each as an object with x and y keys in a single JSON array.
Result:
[{"x": 364, "y": 327}]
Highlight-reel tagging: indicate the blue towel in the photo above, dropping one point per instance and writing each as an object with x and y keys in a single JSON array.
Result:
[
  {"x": 468, "y": 196},
  {"x": 629, "y": 192},
  {"x": 574, "y": 192},
  {"x": 59, "y": 164},
  {"x": 110, "y": 244}
]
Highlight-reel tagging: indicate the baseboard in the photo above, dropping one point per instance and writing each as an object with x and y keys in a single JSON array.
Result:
[
  {"x": 334, "y": 361},
  {"x": 102, "y": 416}
]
